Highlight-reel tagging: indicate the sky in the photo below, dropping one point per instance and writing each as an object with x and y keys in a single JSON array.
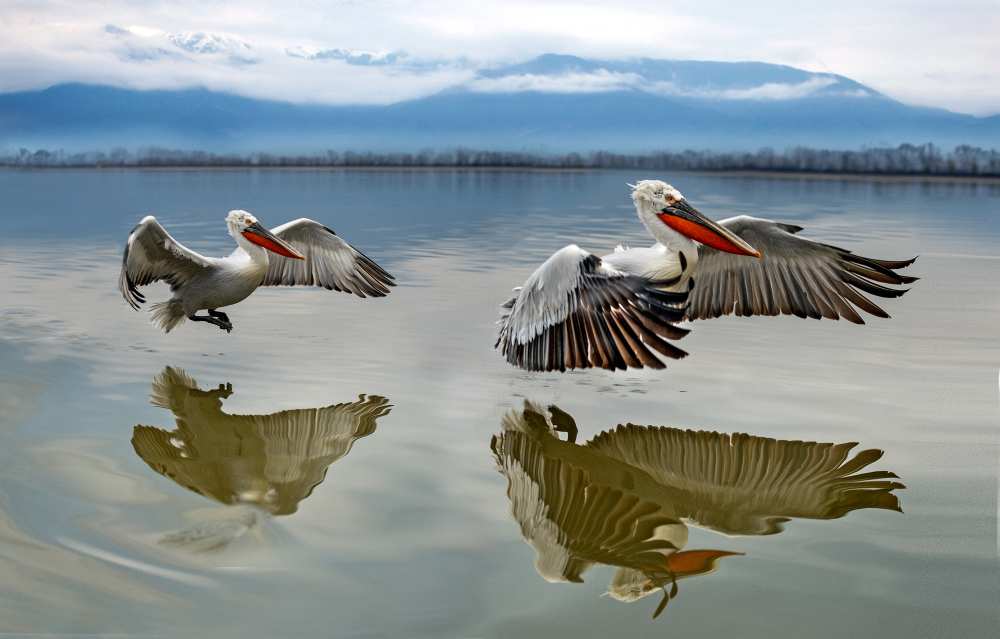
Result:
[{"x": 357, "y": 51}]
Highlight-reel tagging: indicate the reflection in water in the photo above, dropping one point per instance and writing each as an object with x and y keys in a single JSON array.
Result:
[
  {"x": 626, "y": 497},
  {"x": 261, "y": 463}
]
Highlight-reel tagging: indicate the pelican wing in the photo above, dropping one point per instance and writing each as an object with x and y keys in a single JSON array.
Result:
[
  {"x": 573, "y": 520},
  {"x": 743, "y": 484},
  {"x": 171, "y": 389},
  {"x": 794, "y": 276},
  {"x": 325, "y": 434},
  {"x": 152, "y": 255},
  {"x": 330, "y": 262},
  {"x": 576, "y": 311},
  {"x": 275, "y": 460}
]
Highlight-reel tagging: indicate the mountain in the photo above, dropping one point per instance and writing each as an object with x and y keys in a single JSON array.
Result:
[
  {"x": 551, "y": 103},
  {"x": 688, "y": 76}
]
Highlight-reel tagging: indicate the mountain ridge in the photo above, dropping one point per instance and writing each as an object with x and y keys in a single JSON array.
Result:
[{"x": 554, "y": 102}]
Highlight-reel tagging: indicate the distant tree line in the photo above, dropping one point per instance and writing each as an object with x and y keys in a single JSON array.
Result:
[{"x": 906, "y": 159}]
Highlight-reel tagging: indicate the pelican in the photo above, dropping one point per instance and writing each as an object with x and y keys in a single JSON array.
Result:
[
  {"x": 256, "y": 465},
  {"x": 578, "y": 310},
  {"x": 300, "y": 253},
  {"x": 627, "y": 497}
]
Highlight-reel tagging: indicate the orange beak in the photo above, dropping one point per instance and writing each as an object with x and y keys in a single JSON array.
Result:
[
  {"x": 687, "y": 563},
  {"x": 688, "y": 221},
  {"x": 262, "y": 237}
]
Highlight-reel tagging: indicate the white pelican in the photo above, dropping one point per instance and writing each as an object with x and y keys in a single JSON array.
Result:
[
  {"x": 627, "y": 497},
  {"x": 578, "y": 310},
  {"x": 256, "y": 465},
  {"x": 299, "y": 253}
]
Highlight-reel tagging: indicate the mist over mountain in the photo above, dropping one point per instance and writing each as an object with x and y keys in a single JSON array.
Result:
[{"x": 552, "y": 103}]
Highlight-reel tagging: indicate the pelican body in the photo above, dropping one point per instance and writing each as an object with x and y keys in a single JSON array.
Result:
[
  {"x": 300, "y": 253},
  {"x": 578, "y": 310},
  {"x": 627, "y": 497}
]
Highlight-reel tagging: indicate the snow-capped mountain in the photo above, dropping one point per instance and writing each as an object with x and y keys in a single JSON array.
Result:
[
  {"x": 147, "y": 44},
  {"x": 200, "y": 42}
]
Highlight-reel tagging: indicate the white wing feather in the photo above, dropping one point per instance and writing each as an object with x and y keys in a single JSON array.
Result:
[
  {"x": 576, "y": 311},
  {"x": 152, "y": 255}
]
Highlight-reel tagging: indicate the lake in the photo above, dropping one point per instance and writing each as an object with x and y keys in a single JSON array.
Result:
[{"x": 354, "y": 468}]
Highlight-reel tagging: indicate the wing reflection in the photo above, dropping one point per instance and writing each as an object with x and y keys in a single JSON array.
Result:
[
  {"x": 626, "y": 497},
  {"x": 268, "y": 462}
]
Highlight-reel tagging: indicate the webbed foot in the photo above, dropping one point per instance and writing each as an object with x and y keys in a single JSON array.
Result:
[{"x": 224, "y": 324}]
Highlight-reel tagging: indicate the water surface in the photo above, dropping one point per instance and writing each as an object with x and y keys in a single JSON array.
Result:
[{"x": 337, "y": 467}]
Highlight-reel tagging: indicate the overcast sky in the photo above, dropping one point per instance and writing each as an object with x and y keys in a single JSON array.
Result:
[{"x": 944, "y": 54}]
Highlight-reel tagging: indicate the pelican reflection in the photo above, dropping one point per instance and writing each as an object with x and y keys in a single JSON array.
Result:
[
  {"x": 261, "y": 463},
  {"x": 626, "y": 497}
]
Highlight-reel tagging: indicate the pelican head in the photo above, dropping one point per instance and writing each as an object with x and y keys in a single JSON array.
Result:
[
  {"x": 243, "y": 224},
  {"x": 659, "y": 203}
]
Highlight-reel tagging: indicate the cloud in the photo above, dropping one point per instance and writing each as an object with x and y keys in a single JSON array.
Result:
[
  {"x": 882, "y": 44},
  {"x": 141, "y": 56},
  {"x": 137, "y": 49},
  {"x": 116, "y": 30},
  {"x": 768, "y": 91},
  {"x": 602, "y": 80},
  {"x": 778, "y": 90},
  {"x": 360, "y": 58},
  {"x": 599, "y": 81}
]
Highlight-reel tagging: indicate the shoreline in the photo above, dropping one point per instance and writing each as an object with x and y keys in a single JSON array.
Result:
[{"x": 792, "y": 175}]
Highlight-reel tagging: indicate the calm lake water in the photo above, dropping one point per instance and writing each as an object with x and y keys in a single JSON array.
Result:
[{"x": 371, "y": 433}]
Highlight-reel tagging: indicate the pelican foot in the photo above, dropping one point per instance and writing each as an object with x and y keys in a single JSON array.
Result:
[{"x": 224, "y": 324}]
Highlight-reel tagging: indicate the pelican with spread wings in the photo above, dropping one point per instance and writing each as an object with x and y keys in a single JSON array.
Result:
[
  {"x": 627, "y": 496},
  {"x": 578, "y": 310},
  {"x": 255, "y": 465},
  {"x": 299, "y": 253}
]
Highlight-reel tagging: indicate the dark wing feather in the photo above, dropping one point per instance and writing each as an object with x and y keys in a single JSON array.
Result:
[
  {"x": 575, "y": 311},
  {"x": 152, "y": 255},
  {"x": 794, "y": 276},
  {"x": 330, "y": 262}
]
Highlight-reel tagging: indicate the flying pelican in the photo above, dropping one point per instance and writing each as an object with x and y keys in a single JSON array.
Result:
[
  {"x": 578, "y": 310},
  {"x": 299, "y": 253},
  {"x": 256, "y": 465},
  {"x": 627, "y": 497}
]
